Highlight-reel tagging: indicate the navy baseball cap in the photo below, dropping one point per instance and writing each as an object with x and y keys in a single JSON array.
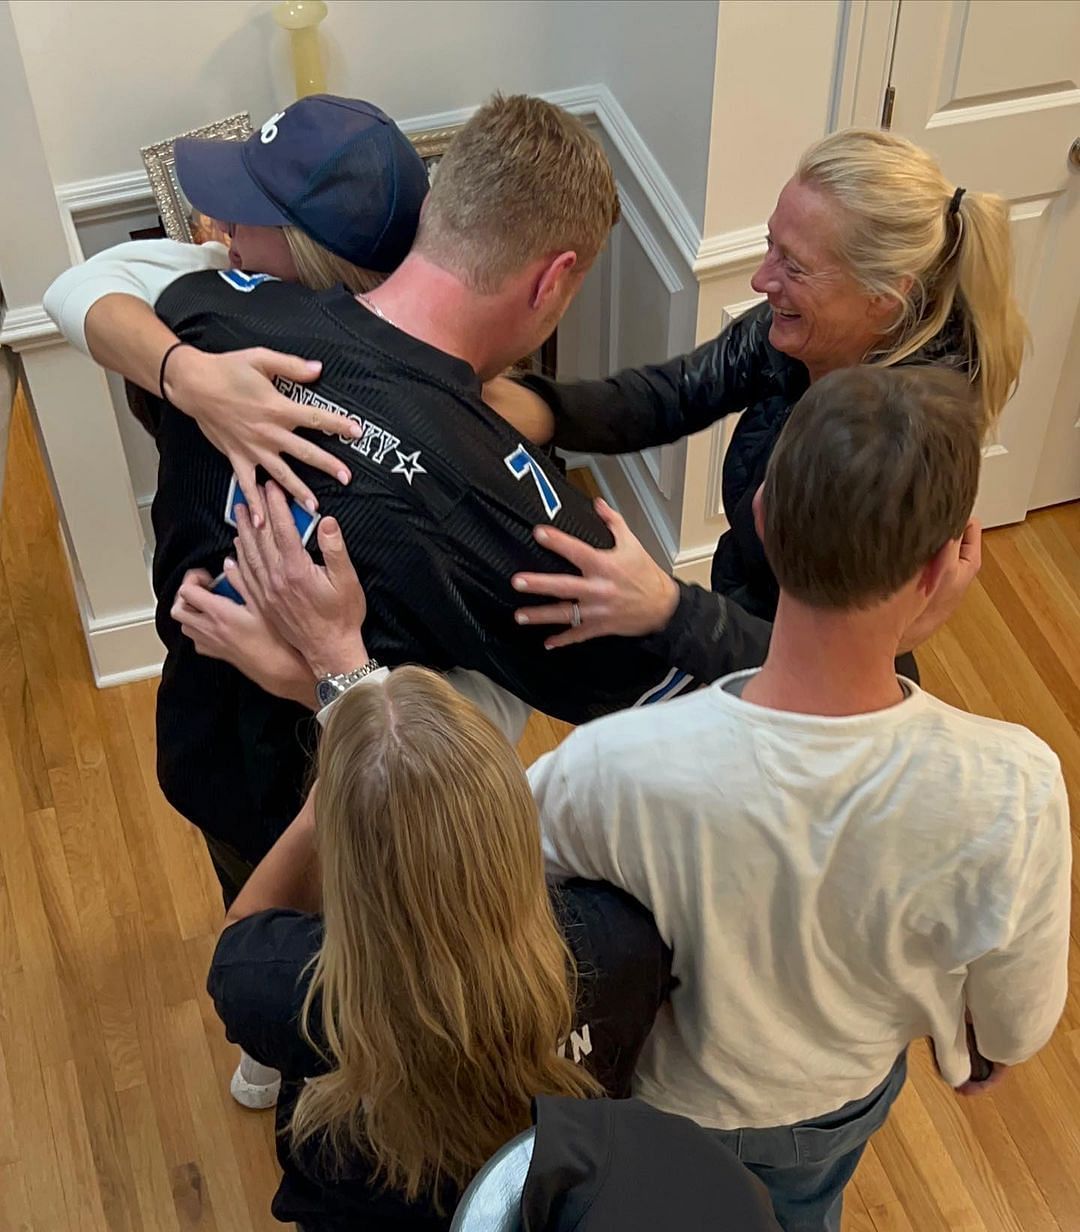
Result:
[{"x": 338, "y": 168}]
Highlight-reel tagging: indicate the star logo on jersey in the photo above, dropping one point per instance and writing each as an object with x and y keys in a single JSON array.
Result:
[{"x": 408, "y": 464}]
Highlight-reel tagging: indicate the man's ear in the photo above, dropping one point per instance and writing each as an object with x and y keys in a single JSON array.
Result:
[
  {"x": 551, "y": 278},
  {"x": 759, "y": 512},
  {"x": 937, "y": 567}
]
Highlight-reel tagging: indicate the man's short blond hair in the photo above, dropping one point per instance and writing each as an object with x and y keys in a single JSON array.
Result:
[
  {"x": 875, "y": 471},
  {"x": 522, "y": 180}
]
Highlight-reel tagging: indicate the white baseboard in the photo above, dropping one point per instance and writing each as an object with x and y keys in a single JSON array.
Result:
[{"x": 124, "y": 648}]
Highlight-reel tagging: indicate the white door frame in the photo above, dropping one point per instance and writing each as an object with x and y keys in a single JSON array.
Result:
[{"x": 864, "y": 62}]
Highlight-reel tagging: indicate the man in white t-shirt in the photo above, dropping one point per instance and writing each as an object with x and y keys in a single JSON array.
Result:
[{"x": 840, "y": 862}]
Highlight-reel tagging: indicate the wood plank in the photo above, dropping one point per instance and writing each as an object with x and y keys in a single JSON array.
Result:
[
  {"x": 996, "y": 1177},
  {"x": 30, "y": 1110},
  {"x": 219, "y": 1174},
  {"x": 251, "y": 1130},
  {"x": 150, "y": 1172},
  {"x": 880, "y": 1199},
  {"x": 77, "y": 1175},
  {"x": 14, "y": 1203}
]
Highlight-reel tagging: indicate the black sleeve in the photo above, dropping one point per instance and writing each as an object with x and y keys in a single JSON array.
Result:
[
  {"x": 655, "y": 405},
  {"x": 624, "y": 976},
  {"x": 258, "y": 978},
  {"x": 709, "y": 636}
]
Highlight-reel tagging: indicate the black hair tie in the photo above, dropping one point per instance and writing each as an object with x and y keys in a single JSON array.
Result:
[
  {"x": 954, "y": 204},
  {"x": 161, "y": 370}
]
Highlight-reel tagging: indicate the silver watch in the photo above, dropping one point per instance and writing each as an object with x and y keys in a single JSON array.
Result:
[{"x": 329, "y": 688}]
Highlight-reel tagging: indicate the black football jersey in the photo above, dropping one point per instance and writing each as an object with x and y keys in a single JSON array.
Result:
[{"x": 437, "y": 518}]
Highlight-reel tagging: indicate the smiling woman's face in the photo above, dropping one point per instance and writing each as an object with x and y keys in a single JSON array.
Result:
[{"x": 821, "y": 315}]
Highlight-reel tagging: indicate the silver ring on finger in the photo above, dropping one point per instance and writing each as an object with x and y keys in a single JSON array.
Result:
[{"x": 575, "y": 615}]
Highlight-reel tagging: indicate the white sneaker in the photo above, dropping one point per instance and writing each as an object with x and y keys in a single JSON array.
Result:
[{"x": 255, "y": 1085}]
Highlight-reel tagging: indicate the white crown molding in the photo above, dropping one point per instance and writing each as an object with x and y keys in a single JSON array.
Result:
[
  {"x": 729, "y": 250},
  {"x": 24, "y": 329},
  {"x": 106, "y": 196}
]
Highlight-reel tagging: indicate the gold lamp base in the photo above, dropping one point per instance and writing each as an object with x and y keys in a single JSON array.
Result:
[{"x": 301, "y": 18}]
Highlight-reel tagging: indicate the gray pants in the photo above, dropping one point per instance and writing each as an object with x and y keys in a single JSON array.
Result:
[{"x": 805, "y": 1167}]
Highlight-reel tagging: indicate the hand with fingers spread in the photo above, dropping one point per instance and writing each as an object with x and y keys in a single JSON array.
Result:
[
  {"x": 233, "y": 399},
  {"x": 240, "y": 635},
  {"x": 319, "y": 609},
  {"x": 621, "y": 590}
]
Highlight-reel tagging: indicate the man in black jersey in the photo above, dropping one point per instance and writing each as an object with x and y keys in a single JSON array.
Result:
[{"x": 444, "y": 494}]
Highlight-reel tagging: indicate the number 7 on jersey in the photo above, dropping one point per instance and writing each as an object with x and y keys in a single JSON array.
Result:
[{"x": 521, "y": 463}]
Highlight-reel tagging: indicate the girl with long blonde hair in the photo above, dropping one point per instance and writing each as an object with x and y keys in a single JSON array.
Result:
[{"x": 400, "y": 951}]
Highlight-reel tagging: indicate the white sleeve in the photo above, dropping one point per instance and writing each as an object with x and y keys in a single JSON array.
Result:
[
  {"x": 141, "y": 268},
  {"x": 1016, "y": 994},
  {"x": 577, "y": 826},
  {"x": 507, "y": 712}
]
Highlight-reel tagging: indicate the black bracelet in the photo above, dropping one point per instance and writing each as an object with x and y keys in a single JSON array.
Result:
[{"x": 161, "y": 373}]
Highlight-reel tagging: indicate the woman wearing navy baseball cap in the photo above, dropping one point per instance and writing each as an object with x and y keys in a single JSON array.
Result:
[{"x": 327, "y": 191}]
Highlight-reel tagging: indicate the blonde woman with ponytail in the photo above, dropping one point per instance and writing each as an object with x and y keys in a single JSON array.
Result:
[
  {"x": 873, "y": 256},
  {"x": 398, "y": 957}
]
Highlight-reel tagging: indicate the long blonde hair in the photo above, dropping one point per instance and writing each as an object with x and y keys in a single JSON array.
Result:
[
  {"x": 896, "y": 224},
  {"x": 319, "y": 269},
  {"x": 445, "y": 984}
]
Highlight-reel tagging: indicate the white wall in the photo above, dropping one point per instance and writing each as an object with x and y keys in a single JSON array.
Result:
[
  {"x": 774, "y": 84},
  {"x": 658, "y": 59},
  {"x": 109, "y": 76}
]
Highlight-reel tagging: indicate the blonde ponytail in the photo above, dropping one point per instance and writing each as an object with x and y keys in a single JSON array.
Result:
[
  {"x": 984, "y": 287},
  {"x": 900, "y": 238}
]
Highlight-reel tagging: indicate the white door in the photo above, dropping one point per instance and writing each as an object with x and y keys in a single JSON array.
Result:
[
  {"x": 1058, "y": 476},
  {"x": 992, "y": 88}
]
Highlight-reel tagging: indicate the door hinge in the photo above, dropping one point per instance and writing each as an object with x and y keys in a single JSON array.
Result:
[{"x": 887, "y": 108}]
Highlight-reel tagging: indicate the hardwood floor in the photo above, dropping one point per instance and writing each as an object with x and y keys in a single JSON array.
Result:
[{"x": 114, "y": 1104}]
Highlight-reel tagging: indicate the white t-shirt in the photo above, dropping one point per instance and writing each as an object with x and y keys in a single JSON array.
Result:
[{"x": 832, "y": 889}]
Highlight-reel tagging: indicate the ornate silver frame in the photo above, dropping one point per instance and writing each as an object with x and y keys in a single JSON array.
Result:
[{"x": 160, "y": 166}]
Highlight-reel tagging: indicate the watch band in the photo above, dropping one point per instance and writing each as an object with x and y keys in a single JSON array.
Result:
[{"x": 329, "y": 688}]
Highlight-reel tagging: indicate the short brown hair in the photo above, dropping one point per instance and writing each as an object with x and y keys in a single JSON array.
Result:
[
  {"x": 522, "y": 179},
  {"x": 876, "y": 470}
]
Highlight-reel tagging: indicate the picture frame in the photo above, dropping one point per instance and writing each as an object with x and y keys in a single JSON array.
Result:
[
  {"x": 432, "y": 143},
  {"x": 160, "y": 162}
]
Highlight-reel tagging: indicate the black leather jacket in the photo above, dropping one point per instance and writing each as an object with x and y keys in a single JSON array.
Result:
[{"x": 714, "y": 632}]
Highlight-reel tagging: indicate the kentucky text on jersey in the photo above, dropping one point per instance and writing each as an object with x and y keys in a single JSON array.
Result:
[{"x": 376, "y": 441}]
